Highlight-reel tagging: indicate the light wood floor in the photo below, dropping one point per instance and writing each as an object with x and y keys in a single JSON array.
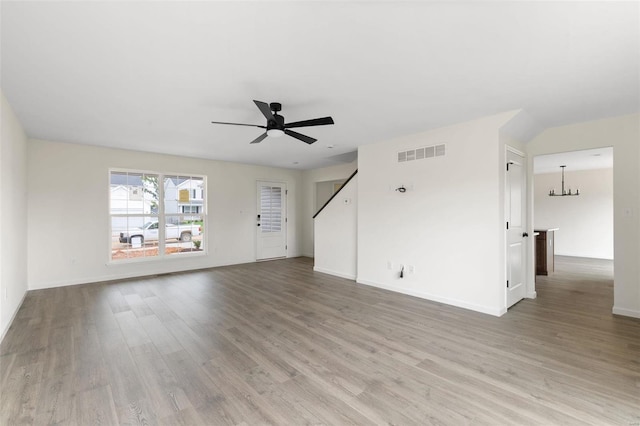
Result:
[{"x": 277, "y": 343}]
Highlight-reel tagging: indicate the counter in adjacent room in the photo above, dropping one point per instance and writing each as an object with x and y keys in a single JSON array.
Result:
[{"x": 544, "y": 250}]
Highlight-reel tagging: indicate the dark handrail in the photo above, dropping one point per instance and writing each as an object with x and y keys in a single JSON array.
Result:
[{"x": 336, "y": 193}]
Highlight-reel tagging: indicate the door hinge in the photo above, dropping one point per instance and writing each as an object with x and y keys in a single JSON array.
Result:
[
  {"x": 286, "y": 219},
  {"x": 508, "y": 166},
  {"x": 286, "y": 192},
  {"x": 507, "y": 225},
  {"x": 286, "y": 247},
  {"x": 507, "y": 283}
]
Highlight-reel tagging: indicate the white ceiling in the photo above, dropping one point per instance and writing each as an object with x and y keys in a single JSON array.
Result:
[
  {"x": 151, "y": 76},
  {"x": 587, "y": 159}
]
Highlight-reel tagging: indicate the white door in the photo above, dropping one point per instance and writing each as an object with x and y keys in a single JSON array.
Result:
[
  {"x": 271, "y": 221},
  {"x": 515, "y": 200}
]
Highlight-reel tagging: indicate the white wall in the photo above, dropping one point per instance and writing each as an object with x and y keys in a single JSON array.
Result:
[
  {"x": 448, "y": 225},
  {"x": 335, "y": 234},
  {"x": 623, "y": 133},
  {"x": 13, "y": 219},
  {"x": 585, "y": 221},
  {"x": 309, "y": 180},
  {"x": 68, "y": 212}
]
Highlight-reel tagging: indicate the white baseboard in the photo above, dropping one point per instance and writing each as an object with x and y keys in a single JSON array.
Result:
[
  {"x": 497, "y": 312},
  {"x": 307, "y": 255},
  {"x": 532, "y": 295},
  {"x": 626, "y": 312},
  {"x": 13, "y": 317},
  {"x": 129, "y": 275},
  {"x": 583, "y": 256},
  {"x": 99, "y": 279},
  {"x": 126, "y": 275},
  {"x": 337, "y": 274}
]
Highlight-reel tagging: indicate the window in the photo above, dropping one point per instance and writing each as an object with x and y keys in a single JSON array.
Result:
[
  {"x": 270, "y": 209},
  {"x": 155, "y": 215},
  {"x": 190, "y": 209}
]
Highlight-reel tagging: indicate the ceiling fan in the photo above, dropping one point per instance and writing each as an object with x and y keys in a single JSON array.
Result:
[{"x": 277, "y": 127}]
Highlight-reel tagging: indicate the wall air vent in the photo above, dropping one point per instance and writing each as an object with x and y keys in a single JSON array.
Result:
[{"x": 421, "y": 153}]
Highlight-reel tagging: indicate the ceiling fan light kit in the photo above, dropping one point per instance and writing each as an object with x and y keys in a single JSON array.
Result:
[
  {"x": 275, "y": 133},
  {"x": 276, "y": 126}
]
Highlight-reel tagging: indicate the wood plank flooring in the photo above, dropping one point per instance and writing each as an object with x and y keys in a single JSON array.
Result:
[{"x": 276, "y": 343}]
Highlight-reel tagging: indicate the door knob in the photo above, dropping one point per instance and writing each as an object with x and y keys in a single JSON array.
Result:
[{"x": 524, "y": 234}]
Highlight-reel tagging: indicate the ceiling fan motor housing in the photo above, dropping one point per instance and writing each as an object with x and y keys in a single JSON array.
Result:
[{"x": 278, "y": 123}]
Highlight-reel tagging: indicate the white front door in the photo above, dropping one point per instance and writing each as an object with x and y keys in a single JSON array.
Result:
[
  {"x": 271, "y": 221},
  {"x": 515, "y": 200}
]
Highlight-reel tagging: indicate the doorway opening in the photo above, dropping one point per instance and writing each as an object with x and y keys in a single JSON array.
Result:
[
  {"x": 325, "y": 190},
  {"x": 573, "y": 223}
]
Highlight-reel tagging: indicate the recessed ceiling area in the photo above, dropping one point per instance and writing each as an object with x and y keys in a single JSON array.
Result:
[
  {"x": 587, "y": 159},
  {"x": 151, "y": 76}
]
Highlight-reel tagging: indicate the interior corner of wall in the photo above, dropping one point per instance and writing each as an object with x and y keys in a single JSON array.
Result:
[{"x": 520, "y": 126}]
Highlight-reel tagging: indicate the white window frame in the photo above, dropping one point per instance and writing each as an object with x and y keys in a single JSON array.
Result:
[{"x": 161, "y": 215}]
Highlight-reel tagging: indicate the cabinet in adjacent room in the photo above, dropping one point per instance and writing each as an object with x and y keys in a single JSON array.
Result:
[{"x": 544, "y": 250}]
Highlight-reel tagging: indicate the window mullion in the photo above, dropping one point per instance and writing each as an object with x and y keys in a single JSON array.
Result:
[{"x": 161, "y": 219}]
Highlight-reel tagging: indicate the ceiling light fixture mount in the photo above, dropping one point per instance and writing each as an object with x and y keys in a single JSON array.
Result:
[{"x": 552, "y": 192}]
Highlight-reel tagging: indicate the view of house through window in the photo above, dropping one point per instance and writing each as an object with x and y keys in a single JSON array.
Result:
[{"x": 143, "y": 226}]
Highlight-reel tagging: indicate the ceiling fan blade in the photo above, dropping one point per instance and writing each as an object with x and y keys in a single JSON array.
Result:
[
  {"x": 260, "y": 138},
  {"x": 239, "y": 124},
  {"x": 300, "y": 136},
  {"x": 313, "y": 122},
  {"x": 265, "y": 109}
]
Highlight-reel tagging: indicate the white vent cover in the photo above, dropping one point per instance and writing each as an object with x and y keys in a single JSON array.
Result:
[{"x": 421, "y": 153}]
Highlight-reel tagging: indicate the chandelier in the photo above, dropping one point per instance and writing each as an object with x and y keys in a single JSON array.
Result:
[{"x": 552, "y": 192}]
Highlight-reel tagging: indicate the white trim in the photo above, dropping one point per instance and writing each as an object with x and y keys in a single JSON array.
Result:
[
  {"x": 516, "y": 151},
  {"x": 334, "y": 273},
  {"x": 532, "y": 295},
  {"x": 116, "y": 277},
  {"x": 626, "y": 312},
  {"x": 269, "y": 259},
  {"x": 160, "y": 216},
  {"x": 13, "y": 317},
  {"x": 132, "y": 275},
  {"x": 448, "y": 301},
  {"x": 307, "y": 255}
]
